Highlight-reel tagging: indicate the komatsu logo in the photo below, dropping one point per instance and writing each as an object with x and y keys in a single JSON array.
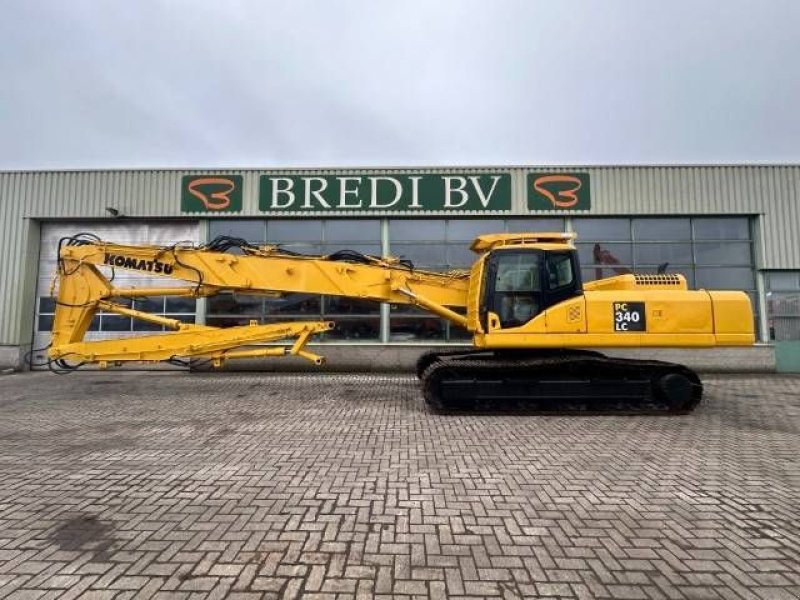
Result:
[{"x": 137, "y": 264}]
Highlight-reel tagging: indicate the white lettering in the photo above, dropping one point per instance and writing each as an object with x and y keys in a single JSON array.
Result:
[
  {"x": 449, "y": 190},
  {"x": 344, "y": 191},
  {"x": 308, "y": 192},
  {"x": 277, "y": 190},
  {"x": 398, "y": 192},
  {"x": 477, "y": 185},
  {"x": 415, "y": 192}
]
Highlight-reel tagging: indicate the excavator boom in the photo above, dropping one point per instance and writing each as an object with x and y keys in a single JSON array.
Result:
[{"x": 83, "y": 290}]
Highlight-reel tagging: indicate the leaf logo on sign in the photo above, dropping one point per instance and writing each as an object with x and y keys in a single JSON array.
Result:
[
  {"x": 560, "y": 190},
  {"x": 219, "y": 199}
]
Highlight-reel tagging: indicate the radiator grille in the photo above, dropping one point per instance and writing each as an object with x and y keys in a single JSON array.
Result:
[{"x": 666, "y": 279}]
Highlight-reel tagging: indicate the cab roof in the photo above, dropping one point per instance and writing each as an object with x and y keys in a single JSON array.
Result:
[{"x": 491, "y": 241}]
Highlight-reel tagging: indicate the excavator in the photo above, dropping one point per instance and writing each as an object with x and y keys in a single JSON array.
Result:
[{"x": 536, "y": 326}]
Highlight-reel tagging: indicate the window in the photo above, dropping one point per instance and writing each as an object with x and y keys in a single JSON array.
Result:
[
  {"x": 518, "y": 273},
  {"x": 783, "y": 305},
  {"x": 356, "y": 320},
  {"x": 559, "y": 270},
  {"x": 659, "y": 229},
  {"x": 710, "y": 252},
  {"x": 517, "y": 286},
  {"x": 181, "y": 309},
  {"x": 695, "y": 247}
]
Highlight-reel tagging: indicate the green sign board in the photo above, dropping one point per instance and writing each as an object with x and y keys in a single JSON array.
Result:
[
  {"x": 385, "y": 192},
  {"x": 211, "y": 193},
  {"x": 559, "y": 191}
]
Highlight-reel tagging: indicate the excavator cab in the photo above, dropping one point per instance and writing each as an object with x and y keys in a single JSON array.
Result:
[
  {"x": 521, "y": 283},
  {"x": 524, "y": 274}
]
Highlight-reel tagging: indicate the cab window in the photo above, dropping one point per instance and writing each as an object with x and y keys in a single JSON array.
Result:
[
  {"x": 517, "y": 288},
  {"x": 559, "y": 271}
]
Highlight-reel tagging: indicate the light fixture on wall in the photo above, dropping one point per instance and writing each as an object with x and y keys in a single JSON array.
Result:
[{"x": 114, "y": 212}]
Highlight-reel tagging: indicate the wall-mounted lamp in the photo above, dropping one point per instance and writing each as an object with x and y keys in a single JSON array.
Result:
[{"x": 113, "y": 212}]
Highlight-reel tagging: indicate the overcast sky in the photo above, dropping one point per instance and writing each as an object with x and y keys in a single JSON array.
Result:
[{"x": 254, "y": 83}]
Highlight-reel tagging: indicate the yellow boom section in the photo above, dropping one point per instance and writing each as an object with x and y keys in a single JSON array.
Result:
[{"x": 83, "y": 290}]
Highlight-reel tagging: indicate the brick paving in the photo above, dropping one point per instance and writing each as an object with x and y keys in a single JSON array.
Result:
[{"x": 172, "y": 485}]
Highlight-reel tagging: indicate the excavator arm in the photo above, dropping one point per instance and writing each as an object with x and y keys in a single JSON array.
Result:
[{"x": 225, "y": 265}]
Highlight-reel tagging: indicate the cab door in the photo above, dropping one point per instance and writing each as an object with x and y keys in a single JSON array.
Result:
[{"x": 513, "y": 287}]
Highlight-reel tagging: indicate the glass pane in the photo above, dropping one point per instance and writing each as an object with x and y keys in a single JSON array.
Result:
[
  {"x": 146, "y": 326},
  {"x": 518, "y": 273},
  {"x": 47, "y": 304},
  {"x": 294, "y": 231},
  {"x": 45, "y": 323},
  {"x": 458, "y": 334},
  {"x": 294, "y": 304},
  {"x": 250, "y": 230},
  {"x": 592, "y": 273},
  {"x": 354, "y": 230},
  {"x": 535, "y": 225},
  {"x": 602, "y": 230},
  {"x": 416, "y": 229},
  {"x": 655, "y": 254},
  {"x": 596, "y": 253},
  {"x": 233, "y": 304},
  {"x": 408, "y": 329},
  {"x": 784, "y": 329},
  {"x": 468, "y": 229},
  {"x": 116, "y": 323},
  {"x": 338, "y": 305},
  {"x": 725, "y": 278},
  {"x": 784, "y": 304},
  {"x": 559, "y": 270},
  {"x": 363, "y": 329},
  {"x": 154, "y": 304},
  {"x": 460, "y": 256},
  {"x": 662, "y": 229},
  {"x": 788, "y": 281},
  {"x": 721, "y": 228},
  {"x": 180, "y": 305},
  {"x": 723, "y": 253},
  {"x": 421, "y": 255}
]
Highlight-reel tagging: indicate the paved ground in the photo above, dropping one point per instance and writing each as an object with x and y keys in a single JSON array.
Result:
[{"x": 177, "y": 485}]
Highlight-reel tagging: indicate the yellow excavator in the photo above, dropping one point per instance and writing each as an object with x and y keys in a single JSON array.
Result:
[{"x": 534, "y": 323}]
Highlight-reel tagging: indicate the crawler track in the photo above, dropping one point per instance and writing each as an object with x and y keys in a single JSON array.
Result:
[{"x": 561, "y": 382}]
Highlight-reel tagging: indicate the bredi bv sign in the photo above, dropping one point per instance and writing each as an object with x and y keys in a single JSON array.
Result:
[{"x": 373, "y": 192}]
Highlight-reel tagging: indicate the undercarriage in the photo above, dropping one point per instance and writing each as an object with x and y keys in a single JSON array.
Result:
[{"x": 558, "y": 382}]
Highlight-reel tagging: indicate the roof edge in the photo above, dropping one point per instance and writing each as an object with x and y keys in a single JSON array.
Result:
[{"x": 490, "y": 167}]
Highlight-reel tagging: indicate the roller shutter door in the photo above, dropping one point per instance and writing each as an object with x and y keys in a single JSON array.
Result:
[{"x": 106, "y": 325}]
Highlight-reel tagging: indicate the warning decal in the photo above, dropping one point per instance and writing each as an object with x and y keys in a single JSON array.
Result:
[{"x": 629, "y": 316}]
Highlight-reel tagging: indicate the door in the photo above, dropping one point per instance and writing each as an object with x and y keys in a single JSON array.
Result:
[{"x": 106, "y": 325}]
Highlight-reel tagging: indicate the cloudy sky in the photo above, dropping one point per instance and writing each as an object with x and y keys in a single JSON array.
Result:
[{"x": 92, "y": 83}]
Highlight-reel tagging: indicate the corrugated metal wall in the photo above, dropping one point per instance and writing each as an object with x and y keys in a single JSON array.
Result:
[{"x": 26, "y": 197}]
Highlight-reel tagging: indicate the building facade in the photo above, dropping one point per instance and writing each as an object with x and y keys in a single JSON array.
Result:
[{"x": 723, "y": 227}]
